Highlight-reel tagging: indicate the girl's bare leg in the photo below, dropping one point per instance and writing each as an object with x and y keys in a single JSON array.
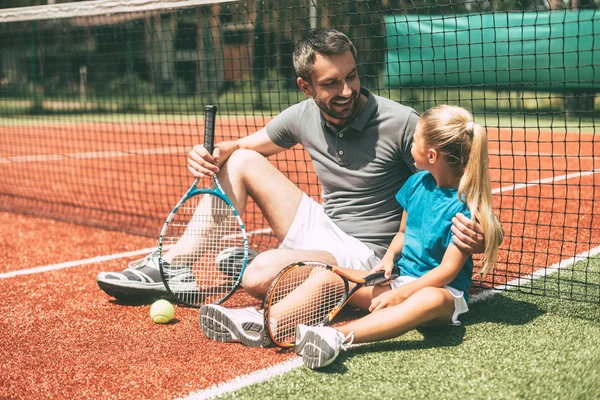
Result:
[{"x": 427, "y": 307}]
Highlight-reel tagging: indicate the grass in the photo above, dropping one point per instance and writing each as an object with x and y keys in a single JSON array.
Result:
[
  {"x": 273, "y": 94},
  {"x": 109, "y": 117},
  {"x": 510, "y": 346},
  {"x": 506, "y": 121},
  {"x": 492, "y": 108}
]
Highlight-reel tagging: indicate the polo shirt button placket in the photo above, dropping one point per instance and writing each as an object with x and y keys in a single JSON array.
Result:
[
  {"x": 341, "y": 161},
  {"x": 340, "y": 152}
]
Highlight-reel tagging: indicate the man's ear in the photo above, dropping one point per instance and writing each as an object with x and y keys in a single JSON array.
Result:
[
  {"x": 305, "y": 87},
  {"x": 432, "y": 156}
]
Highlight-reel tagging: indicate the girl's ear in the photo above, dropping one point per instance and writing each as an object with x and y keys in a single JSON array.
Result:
[{"x": 432, "y": 156}]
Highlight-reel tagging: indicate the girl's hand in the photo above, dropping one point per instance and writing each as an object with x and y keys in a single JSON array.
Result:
[
  {"x": 386, "y": 264},
  {"x": 387, "y": 299}
]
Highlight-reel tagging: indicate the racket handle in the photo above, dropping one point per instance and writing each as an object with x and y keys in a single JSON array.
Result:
[
  {"x": 379, "y": 277},
  {"x": 210, "y": 112}
]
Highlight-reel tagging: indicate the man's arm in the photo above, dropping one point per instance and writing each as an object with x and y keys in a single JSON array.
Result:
[{"x": 201, "y": 163}]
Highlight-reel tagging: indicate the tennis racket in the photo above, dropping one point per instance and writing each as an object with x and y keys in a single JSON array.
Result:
[
  {"x": 310, "y": 293},
  {"x": 202, "y": 227}
]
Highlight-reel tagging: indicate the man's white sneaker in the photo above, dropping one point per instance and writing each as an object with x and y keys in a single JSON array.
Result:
[
  {"x": 142, "y": 280},
  {"x": 244, "y": 325},
  {"x": 319, "y": 346}
]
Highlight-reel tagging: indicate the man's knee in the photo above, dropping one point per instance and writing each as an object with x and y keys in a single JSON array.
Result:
[
  {"x": 258, "y": 276},
  {"x": 241, "y": 158}
]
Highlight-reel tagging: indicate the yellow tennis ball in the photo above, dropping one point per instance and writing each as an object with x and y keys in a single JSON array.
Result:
[{"x": 162, "y": 312}]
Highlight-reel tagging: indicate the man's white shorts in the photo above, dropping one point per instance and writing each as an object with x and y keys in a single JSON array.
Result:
[
  {"x": 460, "y": 304},
  {"x": 313, "y": 230}
]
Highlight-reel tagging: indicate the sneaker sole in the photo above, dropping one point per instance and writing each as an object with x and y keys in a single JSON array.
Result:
[
  {"x": 315, "y": 351},
  {"x": 132, "y": 290},
  {"x": 216, "y": 325}
]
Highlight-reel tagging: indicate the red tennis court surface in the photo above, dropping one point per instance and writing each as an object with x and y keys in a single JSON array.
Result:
[{"x": 61, "y": 337}]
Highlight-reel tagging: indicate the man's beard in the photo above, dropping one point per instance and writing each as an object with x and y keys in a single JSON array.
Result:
[{"x": 346, "y": 114}]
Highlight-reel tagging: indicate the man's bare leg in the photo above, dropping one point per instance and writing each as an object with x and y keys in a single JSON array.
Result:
[
  {"x": 265, "y": 267},
  {"x": 247, "y": 173}
]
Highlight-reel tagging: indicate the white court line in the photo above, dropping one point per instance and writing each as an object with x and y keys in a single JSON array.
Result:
[
  {"x": 545, "y": 180},
  {"x": 247, "y": 380},
  {"x": 256, "y": 232},
  {"x": 509, "y": 153},
  {"x": 94, "y": 260},
  {"x": 94, "y": 154},
  {"x": 287, "y": 366},
  {"x": 76, "y": 263},
  {"x": 36, "y": 158}
]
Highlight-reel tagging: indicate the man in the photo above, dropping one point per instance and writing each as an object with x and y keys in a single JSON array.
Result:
[{"x": 360, "y": 146}]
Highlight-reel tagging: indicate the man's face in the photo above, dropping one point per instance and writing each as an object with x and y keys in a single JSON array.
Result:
[{"x": 335, "y": 87}]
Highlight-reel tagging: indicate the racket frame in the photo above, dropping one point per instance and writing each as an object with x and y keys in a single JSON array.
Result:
[
  {"x": 210, "y": 113},
  {"x": 192, "y": 192},
  {"x": 360, "y": 282}
]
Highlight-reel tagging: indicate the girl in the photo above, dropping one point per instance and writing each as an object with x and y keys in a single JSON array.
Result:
[{"x": 451, "y": 151}]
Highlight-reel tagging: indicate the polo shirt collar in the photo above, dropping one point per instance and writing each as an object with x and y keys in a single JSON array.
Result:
[
  {"x": 358, "y": 124},
  {"x": 367, "y": 112}
]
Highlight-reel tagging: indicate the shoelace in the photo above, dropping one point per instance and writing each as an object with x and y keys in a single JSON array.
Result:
[
  {"x": 346, "y": 346},
  {"x": 141, "y": 263}
]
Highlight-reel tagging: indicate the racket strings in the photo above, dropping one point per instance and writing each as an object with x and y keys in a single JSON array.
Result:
[
  {"x": 305, "y": 295},
  {"x": 203, "y": 228}
]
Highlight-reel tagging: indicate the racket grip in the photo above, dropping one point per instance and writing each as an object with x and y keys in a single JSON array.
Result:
[
  {"x": 379, "y": 277},
  {"x": 210, "y": 113}
]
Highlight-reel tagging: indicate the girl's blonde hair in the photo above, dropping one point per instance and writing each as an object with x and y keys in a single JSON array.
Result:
[{"x": 464, "y": 145}]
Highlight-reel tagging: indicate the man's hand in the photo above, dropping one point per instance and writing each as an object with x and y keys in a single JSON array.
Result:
[
  {"x": 468, "y": 234},
  {"x": 201, "y": 163}
]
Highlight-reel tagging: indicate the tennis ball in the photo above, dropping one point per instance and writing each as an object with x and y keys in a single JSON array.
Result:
[{"x": 161, "y": 312}]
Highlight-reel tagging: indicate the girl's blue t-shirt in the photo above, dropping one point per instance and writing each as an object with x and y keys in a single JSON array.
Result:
[{"x": 428, "y": 227}]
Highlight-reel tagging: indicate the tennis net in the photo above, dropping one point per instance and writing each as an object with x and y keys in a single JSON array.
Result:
[{"x": 100, "y": 101}]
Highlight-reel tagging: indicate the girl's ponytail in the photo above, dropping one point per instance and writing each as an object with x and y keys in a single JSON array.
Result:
[{"x": 476, "y": 191}]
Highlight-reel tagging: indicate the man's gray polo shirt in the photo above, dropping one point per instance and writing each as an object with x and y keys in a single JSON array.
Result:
[{"x": 360, "y": 167}]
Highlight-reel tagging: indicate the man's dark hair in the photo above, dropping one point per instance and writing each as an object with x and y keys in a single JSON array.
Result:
[{"x": 325, "y": 41}]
